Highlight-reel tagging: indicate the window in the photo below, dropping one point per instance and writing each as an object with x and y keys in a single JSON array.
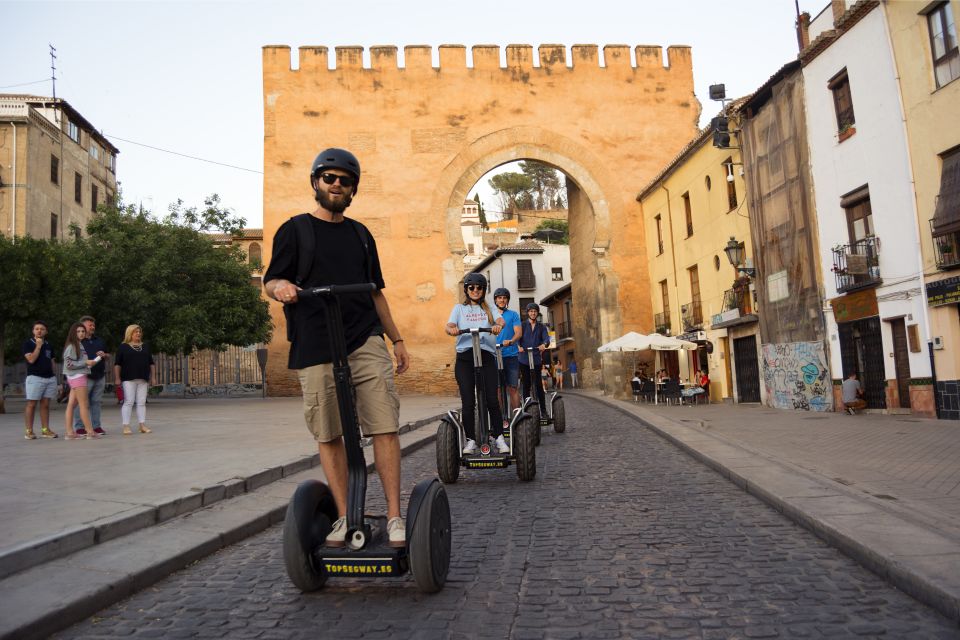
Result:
[
  {"x": 659, "y": 222},
  {"x": 556, "y": 273},
  {"x": 778, "y": 288},
  {"x": 859, "y": 215},
  {"x": 255, "y": 254},
  {"x": 665, "y": 296},
  {"x": 77, "y": 188},
  {"x": 74, "y": 132},
  {"x": 688, "y": 213},
  {"x": 93, "y": 197},
  {"x": 54, "y": 169},
  {"x": 470, "y": 249},
  {"x": 943, "y": 44},
  {"x": 53, "y": 226},
  {"x": 842, "y": 101},
  {"x": 707, "y": 183},
  {"x": 94, "y": 151},
  {"x": 523, "y": 306},
  {"x": 731, "y": 184},
  {"x": 526, "y": 280},
  {"x": 113, "y": 163},
  {"x": 695, "y": 294}
]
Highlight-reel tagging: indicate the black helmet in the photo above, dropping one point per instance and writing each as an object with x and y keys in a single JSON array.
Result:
[
  {"x": 474, "y": 279},
  {"x": 334, "y": 158},
  {"x": 501, "y": 292},
  {"x": 534, "y": 306}
]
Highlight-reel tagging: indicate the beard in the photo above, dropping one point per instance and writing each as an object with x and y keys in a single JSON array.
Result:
[{"x": 333, "y": 206}]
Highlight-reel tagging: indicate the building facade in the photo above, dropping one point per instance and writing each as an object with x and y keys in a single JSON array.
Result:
[
  {"x": 869, "y": 251},
  {"x": 560, "y": 318},
  {"x": 927, "y": 59},
  {"x": 529, "y": 270},
  {"x": 55, "y": 168},
  {"x": 691, "y": 210}
]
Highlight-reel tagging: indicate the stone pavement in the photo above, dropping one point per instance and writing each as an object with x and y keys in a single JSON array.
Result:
[
  {"x": 61, "y": 498},
  {"x": 885, "y": 489}
]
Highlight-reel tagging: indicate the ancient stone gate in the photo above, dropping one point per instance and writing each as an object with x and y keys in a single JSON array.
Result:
[{"x": 424, "y": 136}]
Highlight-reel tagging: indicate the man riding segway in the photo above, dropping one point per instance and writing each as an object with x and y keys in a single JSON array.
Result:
[{"x": 535, "y": 339}]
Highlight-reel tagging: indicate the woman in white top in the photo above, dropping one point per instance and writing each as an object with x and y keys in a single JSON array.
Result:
[
  {"x": 474, "y": 311},
  {"x": 76, "y": 367}
]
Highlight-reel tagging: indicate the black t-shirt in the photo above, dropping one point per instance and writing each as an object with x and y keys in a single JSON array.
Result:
[
  {"x": 43, "y": 365},
  {"x": 92, "y": 346},
  {"x": 134, "y": 365},
  {"x": 339, "y": 258}
]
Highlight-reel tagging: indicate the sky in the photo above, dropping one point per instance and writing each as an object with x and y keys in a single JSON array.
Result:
[{"x": 185, "y": 76}]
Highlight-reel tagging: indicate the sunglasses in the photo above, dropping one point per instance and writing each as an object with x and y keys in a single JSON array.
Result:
[
  {"x": 345, "y": 181},
  {"x": 475, "y": 287}
]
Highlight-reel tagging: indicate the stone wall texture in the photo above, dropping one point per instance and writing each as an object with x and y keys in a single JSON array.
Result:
[{"x": 426, "y": 134}]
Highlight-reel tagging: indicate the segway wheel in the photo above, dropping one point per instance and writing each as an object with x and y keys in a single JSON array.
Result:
[
  {"x": 448, "y": 452},
  {"x": 559, "y": 417},
  {"x": 308, "y": 521},
  {"x": 525, "y": 449},
  {"x": 429, "y": 544},
  {"x": 535, "y": 415}
]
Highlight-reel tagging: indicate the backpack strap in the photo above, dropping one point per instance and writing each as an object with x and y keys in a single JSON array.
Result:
[{"x": 306, "y": 244}]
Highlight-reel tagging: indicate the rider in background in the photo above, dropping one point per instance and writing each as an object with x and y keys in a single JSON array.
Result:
[
  {"x": 474, "y": 312},
  {"x": 535, "y": 338}
]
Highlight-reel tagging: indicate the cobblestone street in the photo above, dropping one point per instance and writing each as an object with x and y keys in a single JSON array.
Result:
[{"x": 621, "y": 535}]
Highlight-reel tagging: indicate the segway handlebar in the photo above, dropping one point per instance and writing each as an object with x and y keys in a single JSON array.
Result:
[
  {"x": 336, "y": 290},
  {"x": 472, "y": 329}
]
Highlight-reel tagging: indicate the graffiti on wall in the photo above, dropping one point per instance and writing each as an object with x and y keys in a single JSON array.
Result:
[{"x": 795, "y": 375}]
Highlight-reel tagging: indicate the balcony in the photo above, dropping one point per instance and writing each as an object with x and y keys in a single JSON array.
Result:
[
  {"x": 946, "y": 249},
  {"x": 692, "y": 316},
  {"x": 564, "y": 330},
  {"x": 857, "y": 265},
  {"x": 661, "y": 323},
  {"x": 737, "y": 308}
]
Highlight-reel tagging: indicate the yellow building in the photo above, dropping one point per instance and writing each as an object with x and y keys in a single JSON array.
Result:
[
  {"x": 55, "y": 168},
  {"x": 924, "y": 39},
  {"x": 691, "y": 211}
]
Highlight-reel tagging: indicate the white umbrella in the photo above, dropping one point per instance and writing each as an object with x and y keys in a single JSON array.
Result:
[
  {"x": 666, "y": 343},
  {"x": 631, "y": 341}
]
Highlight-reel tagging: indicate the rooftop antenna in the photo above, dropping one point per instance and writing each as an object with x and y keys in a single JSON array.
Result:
[{"x": 53, "y": 69}]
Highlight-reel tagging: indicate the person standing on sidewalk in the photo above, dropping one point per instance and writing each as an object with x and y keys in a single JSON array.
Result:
[
  {"x": 508, "y": 339},
  {"x": 344, "y": 252},
  {"x": 41, "y": 383},
  {"x": 134, "y": 369},
  {"x": 573, "y": 374},
  {"x": 96, "y": 380},
  {"x": 76, "y": 367},
  {"x": 852, "y": 392}
]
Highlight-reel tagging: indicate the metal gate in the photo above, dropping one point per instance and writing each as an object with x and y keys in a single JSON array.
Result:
[
  {"x": 861, "y": 351},
  {"x": 748, "y": 372}
]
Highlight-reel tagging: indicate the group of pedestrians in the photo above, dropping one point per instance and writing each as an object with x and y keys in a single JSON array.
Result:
[{"x": 85, "y": 359}]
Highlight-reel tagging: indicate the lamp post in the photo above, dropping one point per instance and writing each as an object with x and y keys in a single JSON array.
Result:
[{"x": 736, "y": 254}]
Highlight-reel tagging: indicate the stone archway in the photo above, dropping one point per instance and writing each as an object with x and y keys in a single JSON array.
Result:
[{"x": 425, "y": 134}]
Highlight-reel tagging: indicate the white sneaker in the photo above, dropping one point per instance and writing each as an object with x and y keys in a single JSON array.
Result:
[
  {"x": 397, "y": 532},
  {"x": 338, "y": 535},
  {"x": 470, "y": 448},
  {"x": 502, "y": 446}
]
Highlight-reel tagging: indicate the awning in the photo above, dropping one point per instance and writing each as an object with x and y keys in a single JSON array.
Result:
[{"x": 946, "y": 219}]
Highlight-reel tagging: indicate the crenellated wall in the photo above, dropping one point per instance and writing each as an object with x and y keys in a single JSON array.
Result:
[{"x": 425, "y": 135}]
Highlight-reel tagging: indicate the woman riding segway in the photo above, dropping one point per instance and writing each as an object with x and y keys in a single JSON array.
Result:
[{"x": 474, "y": 312}]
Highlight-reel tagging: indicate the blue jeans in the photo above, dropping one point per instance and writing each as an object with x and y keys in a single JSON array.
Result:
[{"x": 95, "y": 390}]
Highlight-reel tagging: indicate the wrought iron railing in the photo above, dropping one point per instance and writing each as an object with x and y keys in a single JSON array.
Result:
[
  {"x": 738, "y": 298},
  {"x": 661, "y": 323},
  {"x": 857, "y": 265},
  {"x": 946, "y": 249},
  {"x": 564, "y": 330},
  {"x": 692, "y": 315}
]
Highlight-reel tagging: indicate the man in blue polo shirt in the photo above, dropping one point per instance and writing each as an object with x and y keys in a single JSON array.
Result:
[
  {"x": 41, "y": 384},
  {"x": 94, "y": 347},
  {"x": 507, "y": 339}
]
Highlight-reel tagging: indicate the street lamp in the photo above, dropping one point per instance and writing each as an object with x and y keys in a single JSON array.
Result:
[{"x": 736, "y": 254}]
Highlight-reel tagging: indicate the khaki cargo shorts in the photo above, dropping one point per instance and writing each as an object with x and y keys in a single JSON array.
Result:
[{"x": 378, "y": 405}]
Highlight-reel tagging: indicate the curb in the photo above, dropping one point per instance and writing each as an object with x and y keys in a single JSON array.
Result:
[
  {"x": 63, "y": 543},
  {"x": 903, "y": 572}
]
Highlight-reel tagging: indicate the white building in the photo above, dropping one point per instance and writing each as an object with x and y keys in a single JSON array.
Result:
[
  {"x": 472, "y": 233},
  {"x": 529, "y": 270},
  {"x": 869, "y": 240}
]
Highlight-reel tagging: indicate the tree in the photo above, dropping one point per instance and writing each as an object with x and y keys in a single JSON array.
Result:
[
  {"x": 482, "y": 214},
  {"x": 547, "y": 186},
  {"x": 513, "y": 190},
  {"x": 170, "y": 279},
  {"x": 553, "y": 231}
]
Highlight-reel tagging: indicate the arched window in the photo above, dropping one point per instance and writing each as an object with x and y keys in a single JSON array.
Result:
[{"x": 254, "y": 254}]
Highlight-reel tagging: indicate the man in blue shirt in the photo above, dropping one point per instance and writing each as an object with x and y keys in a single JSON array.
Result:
[
  {"x": 535, "y": 339},
  {"x": 41, "y": 383},
  {"x": 508, "y": 338},
  {"x": 94, "y": 347}
]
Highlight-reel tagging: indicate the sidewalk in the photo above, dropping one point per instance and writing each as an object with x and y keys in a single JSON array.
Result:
[
  {"x": 84, "y": 523},
  {"x": 884, "y": 489}
]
